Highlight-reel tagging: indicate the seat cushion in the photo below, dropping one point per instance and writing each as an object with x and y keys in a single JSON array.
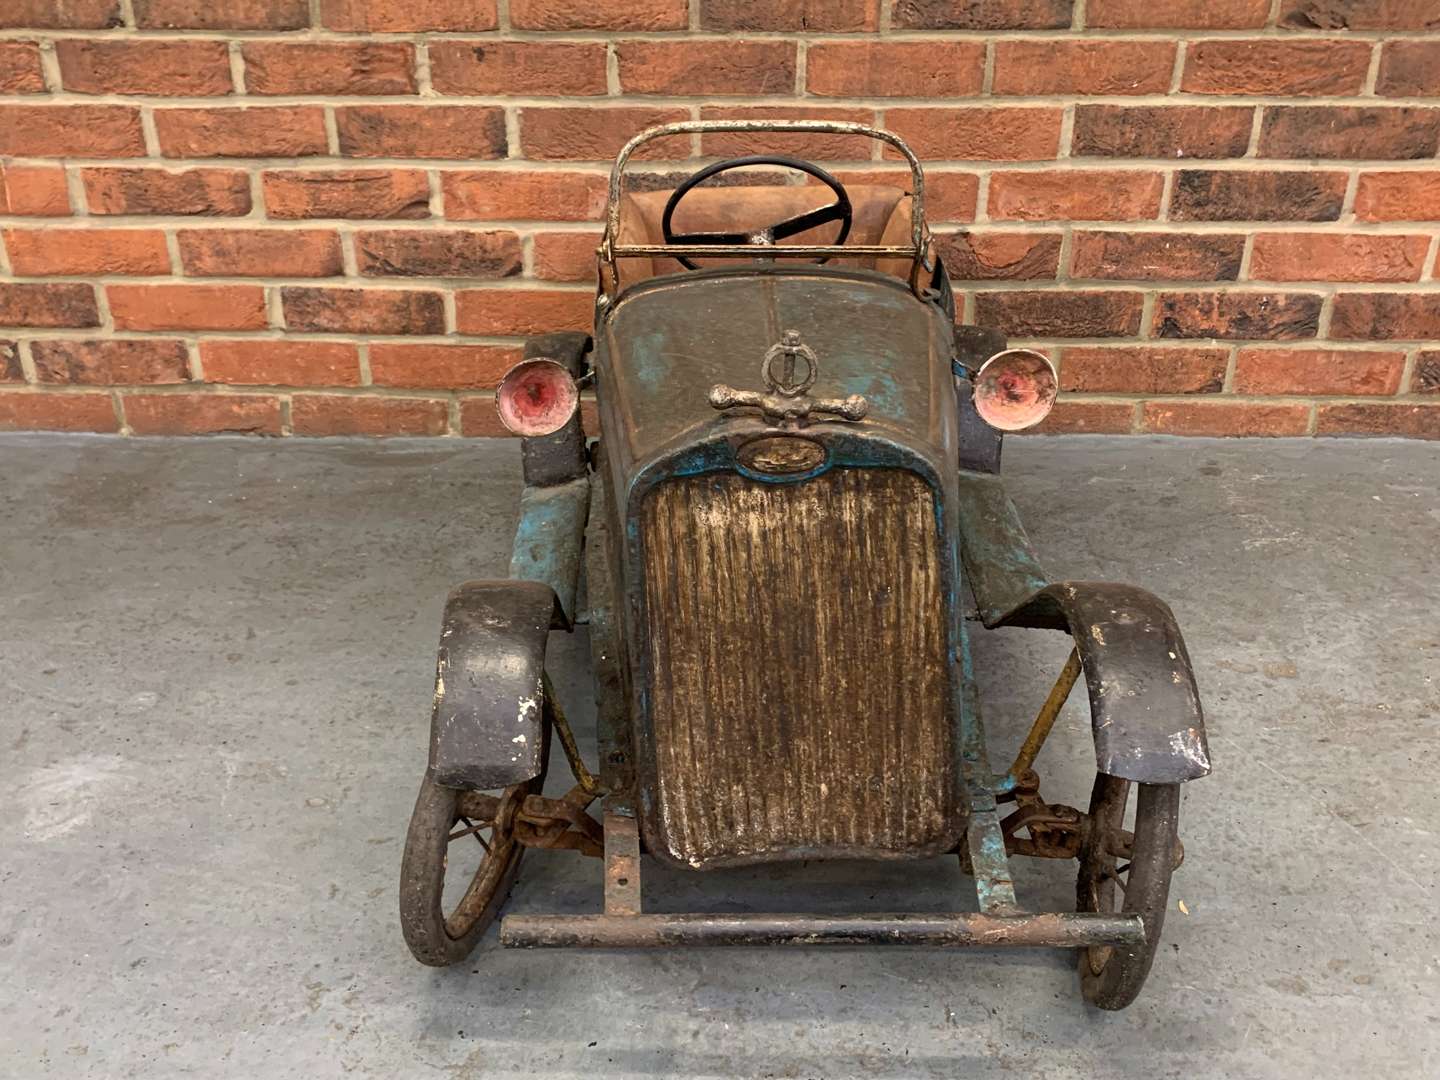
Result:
[{"x": 880, "y": 215}]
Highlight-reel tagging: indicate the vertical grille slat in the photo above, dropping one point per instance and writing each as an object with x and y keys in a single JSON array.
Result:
[{"x": 797, "y": 664}]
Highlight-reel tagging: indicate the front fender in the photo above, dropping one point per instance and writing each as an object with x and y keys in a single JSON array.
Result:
[
  {"x": 1144, "y": 705},
  {"x": 485, "y": 730}
]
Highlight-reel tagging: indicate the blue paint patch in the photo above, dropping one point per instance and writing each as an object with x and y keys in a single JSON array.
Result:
[
  {"x": 549, "y": 538},
  {"x": 879, "y": 388},
  {"x": 647, "y": 365},
  {"x": 781, "y": 478}
]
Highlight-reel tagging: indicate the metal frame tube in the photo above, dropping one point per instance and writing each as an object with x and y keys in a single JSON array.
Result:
[
  {"x": 1044, "y": 722},
  {"x": 953, "y": 930}
]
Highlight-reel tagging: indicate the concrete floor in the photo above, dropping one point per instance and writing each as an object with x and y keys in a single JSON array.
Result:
[{"x": 215, "y": 672}]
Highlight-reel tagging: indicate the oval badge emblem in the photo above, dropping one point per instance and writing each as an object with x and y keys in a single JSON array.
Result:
[{"x": 782, "y": 455}]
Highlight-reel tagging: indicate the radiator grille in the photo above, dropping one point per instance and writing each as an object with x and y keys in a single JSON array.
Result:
[{"x": 797, "y": 668}]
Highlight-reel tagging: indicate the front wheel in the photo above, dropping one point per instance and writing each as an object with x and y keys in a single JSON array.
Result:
[
  {"x": 1126, "y": 872},
  {"x": 469, "y": 838}
]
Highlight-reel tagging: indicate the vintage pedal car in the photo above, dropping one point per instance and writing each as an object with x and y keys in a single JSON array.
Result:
[{"x": 793, "y": 496}]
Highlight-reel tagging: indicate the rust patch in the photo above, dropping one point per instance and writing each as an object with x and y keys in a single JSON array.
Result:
[{"x": 622, "y": 865}]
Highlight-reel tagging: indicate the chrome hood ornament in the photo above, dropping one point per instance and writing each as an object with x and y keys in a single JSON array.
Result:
[{"x": 787, "y": 399}]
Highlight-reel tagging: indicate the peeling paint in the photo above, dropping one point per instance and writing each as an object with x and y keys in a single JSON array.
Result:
[{"x": 1189, "y": 745}]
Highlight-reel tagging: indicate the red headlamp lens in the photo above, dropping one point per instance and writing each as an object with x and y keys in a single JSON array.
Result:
[
  {"x": 537, "y": 397},
  {"x": 1015, "y": 389}
]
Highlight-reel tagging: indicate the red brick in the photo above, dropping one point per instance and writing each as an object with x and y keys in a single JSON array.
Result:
[
  {"x": 347, "y": 193},
  {"x": 1083, "y": 67},
  {"x": 20, "y": 71},
  {"x": 64, "y": 15},
  {"x": 70, "y": 131},
  {"x": 1377, "y": 316},
  {"x": 34, "y": 191},
  {"x": 517, "y": 67},
  {"x": 478, "y": 419},
  {"x": 1337, "y": 257},
  {"x": 669, "y": 176},
  {"x": 725, "y": 66},
  {"x": 272, "y": 131},
  {"x": 1224, "y": 195},
  {"x": 222, "y": 14},
  {"x": 166, "y": 68},
  {"x": 33, "y": 304},
  {"x": 1359, "y": 15},
  {"x": 272, "y": 362},
  {"x": 978, "y": 134},
  {"x": 1317, "y": 371},
  {"x": 363, "y": 311},
  {"x": 1055, "y": 314},
  {"x": 110, "y": 363},
  {"x": 986, "y": 15},
  {"x": 809, "y": 147},
  {"x": 437, "y": 253},
  {"x": 35, "y": 252},
  {"x": 10, "y": 369},
  {"x": 1142, "y": 369},
  {"x": 407, "y": 16},
  {"x": 1071, "y": 417},
  {"x": 589, "y": 414},
  {"x": 1398, "y": 196},
  {"x": 21, "y": 411},
  {"x": 588, "y": 15},
  {"x": 1409, "y": 69},
  {"x": 565, "y": 256},
  {"x": 187, "y": 307},
  {"x": 220, "y": 192},
  {"x": 202, "y": 414},
  {"x": 1162, "y": 131},
  {"x": 1412, "y": 421},
  {"x": 593, "y": 133},
  {"x": 1176, "y": 14},
  {"x": 1349, "y": 131},
  {"x": 895, "y": 68},
  {"x": 495, "y": 195},
  {"x": 1003, "y": 256},
  {"x": 1426, "y": 377},
  {"x": 421, "y": 131},
  {"x": 1294, "y": 67},
  {"x": 809, "y": 16},
  {"x": 1236, "y": 315},
  {"x": 1223, "y": 418},
  {"x": 284, "y": 67},
  {"x": 260, "y": 252},
  {"x": 1157, "y": 256},
  {"x": 523, "y": 311},
  {"x": 441, "y": 366},
  {"x": 1088, "y": 195},
  {"x": 350, "y": 414}
]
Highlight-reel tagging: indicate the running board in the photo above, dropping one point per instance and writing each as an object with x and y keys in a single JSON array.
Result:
[{"x": 965, "y": 929}]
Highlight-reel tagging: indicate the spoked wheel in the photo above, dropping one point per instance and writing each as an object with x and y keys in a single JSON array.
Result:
[
  {"x": 1126, "y": 871},
  {"x": 456, "y": 831}
]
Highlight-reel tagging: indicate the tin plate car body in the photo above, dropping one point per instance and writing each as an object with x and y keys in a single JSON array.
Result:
[{"x": 790, "y": 507}]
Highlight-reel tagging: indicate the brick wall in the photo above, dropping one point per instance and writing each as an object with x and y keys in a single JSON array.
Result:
[{"x": 315, "y": 217}]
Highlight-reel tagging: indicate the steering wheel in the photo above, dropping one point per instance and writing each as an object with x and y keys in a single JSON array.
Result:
[{"x": 839, "y": 210}]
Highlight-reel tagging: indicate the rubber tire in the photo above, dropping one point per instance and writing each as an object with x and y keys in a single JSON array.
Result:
[
  {"x": 1120, "y": 978},
  {"x": 422, "y": 871}
]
